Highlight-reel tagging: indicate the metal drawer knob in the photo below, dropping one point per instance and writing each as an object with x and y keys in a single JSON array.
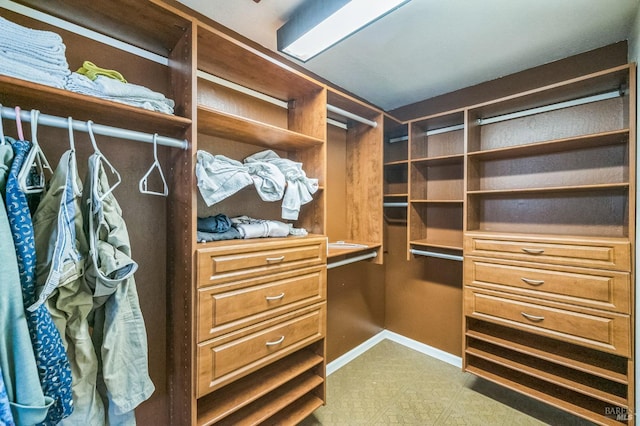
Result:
[
  {"x": 276, "y": 342},
  {"x": 278, "y": 297},
  {"x": 532, "y": 250},
  {"x": 275, "y": 259},
  {"x": 534, "y": 318},
  {"x": 532, "y": 282}
]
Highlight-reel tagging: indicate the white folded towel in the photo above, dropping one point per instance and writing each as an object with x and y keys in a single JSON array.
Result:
[
  {"x": 46, "y": 40},
  {"x": 115, "y": 90},
  {"x": 19, "y": 70}
]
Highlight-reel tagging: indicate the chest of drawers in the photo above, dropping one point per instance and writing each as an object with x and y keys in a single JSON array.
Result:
[{"x": 261, "y": 315}]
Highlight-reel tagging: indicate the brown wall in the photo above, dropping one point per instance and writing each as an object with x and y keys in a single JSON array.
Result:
[
  {"x": 423, "y": 295},
  {"x": 355, "y": 306}
]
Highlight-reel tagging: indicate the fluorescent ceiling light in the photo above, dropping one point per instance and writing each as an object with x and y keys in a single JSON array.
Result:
[{"x": 319, "y": 24}]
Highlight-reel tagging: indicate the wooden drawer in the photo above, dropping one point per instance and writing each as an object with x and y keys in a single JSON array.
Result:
[
  {"x": 223, "y": 311},
  {"x": 590, "y": 253},
  {"x": 606, "y": 331},
  {"x": 231, "y": 356},
  {"x": 594, "y": 288},
  {"x": 239, "y": 260}
]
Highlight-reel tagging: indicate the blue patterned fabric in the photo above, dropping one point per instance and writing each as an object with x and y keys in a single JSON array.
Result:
[
  {"x": 51, "y": 358},
  {"x": 6, "y": 419}
]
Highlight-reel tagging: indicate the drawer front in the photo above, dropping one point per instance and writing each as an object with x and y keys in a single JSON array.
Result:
[
  {"x": 232, "y": 356},
  {"x": 601, "y": 330},
  {"x": 600, "y": 254},
  {"x": 226, "y": 263},
  {"x": 594, "y": 288},
  {"x": 220, "y": 312}
]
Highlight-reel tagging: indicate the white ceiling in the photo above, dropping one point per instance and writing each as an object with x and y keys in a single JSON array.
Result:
[{"x": 430, "y": 47}]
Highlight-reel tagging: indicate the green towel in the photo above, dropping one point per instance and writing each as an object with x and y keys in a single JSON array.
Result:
[{"x": 92, "y": 71}]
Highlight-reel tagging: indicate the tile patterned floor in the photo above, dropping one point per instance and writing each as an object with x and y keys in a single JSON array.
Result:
[{"x": 391, "y": 384}]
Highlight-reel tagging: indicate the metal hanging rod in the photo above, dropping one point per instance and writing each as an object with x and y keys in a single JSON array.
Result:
[
  {"x": 395, "y": 204},
  {"x": 551, "y": 107},
  {"x": 336, "y": 123},
  {"x": 430, "y": 133},
  {"x": 98, "y": 129},
  {"x": 350, "y": 115},
  {"x": 436, "y": 254},
  {"x": 399, "y": 139},
  {"x": 352, "y": 260}
]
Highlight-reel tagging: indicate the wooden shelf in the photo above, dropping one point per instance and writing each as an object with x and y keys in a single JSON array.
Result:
[
  {"x": 545, "y": 371},
  {"x": 443, "y": 244},
  {"x": 437, "y": 201},
  {"x": 575, "y": 188},
  {"x": 271, "y": 404},
  {"x": 335, "y": 251},
  {"x": 243, "y": 392},
  {"x": 221, "y": 55},
  {"x": 298, "y": 411},
  {"x": 229, "y": 126},
  {"x": 567, "y": 400},
  {"x": 158, "y": 31},
  {"x": 439, "y": 160},
  {"x": 64, "y": 103},
  {"x": 608, "y": 367},
  {"x": 591, "y": 84},
  {"x": 396, "y": 163},
  {"x": 558, "y": 145}
]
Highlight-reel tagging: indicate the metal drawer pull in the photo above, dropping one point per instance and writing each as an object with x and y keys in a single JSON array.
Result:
[
  {"x": 532, "y": 282},
  {"x": 275, "y": 259},
  {"x": 532, "y": 251},
  {"x": 532, "y": 317},
  {"x": 276, "y": 342},
  {"x": 280, "y": 296}
]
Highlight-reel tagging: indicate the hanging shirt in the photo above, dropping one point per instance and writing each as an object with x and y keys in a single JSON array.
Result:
[
  {"x": 17, "y": 360},
  {"x": 61, "y": 247},
  {"x": 51, "y": 358},
  {"x": 5, "y": 410},
  {"x": 119, "y": 333}
]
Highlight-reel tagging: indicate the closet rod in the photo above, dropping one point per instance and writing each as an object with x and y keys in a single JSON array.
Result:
[
  {"x": 430, "y": 133},
  {"x": 350, "y": 115},
  {"x": 99, "y": 129},
  {"x": 436, "y": 254},
  {"x": 551, "y": 107},
  {"x": 352, "y": 260},
  {"x": 399, "y": 139},
  {"x": 395, "y": 204}
]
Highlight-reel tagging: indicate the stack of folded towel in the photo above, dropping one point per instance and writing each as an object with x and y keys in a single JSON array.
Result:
[
  {"x": 34, "y": 55},
  {"x": 110, "y": 85}
]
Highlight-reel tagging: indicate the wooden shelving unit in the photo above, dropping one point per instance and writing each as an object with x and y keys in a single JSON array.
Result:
[
  {"x": 436, "y": 183},
  {"x": 546, "y": 189}
]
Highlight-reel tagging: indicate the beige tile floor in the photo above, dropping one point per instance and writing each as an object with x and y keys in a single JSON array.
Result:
[{"x": 392, "y": 384}]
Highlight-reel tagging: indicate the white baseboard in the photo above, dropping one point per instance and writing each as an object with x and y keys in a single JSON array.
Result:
[{"x": 344, "y": 359}]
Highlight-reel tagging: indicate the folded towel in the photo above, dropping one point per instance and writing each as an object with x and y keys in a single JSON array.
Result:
[
  {"x": 39, "y": 48},
  {"x": 260, "y": 228},
  {"x": 92, "y": 71},
  {"x": 114, "y": 90},
  {"x": 45, "y": 40},
  {"x": 219, "y": 177},
  {"x": 19, "y": 70}
]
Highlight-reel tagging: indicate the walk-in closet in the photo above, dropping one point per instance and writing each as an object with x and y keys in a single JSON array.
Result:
[{"x": 198, "y": 229}]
